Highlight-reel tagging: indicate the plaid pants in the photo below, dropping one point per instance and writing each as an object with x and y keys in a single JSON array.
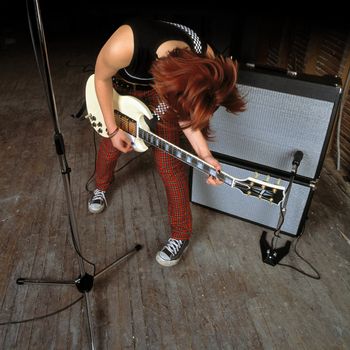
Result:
[{"x": 173, "y": 172}]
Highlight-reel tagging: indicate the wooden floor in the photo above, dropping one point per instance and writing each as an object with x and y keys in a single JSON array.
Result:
[{"x": 221, "y": 295}]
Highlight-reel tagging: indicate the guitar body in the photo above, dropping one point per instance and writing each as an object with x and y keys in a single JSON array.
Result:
[{"x": 128, "y": 105}]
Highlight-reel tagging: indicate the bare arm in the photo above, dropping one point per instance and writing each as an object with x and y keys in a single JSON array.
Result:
[
  {"x": 114, "y": 55},
  {"x": 200, "y": 146}
]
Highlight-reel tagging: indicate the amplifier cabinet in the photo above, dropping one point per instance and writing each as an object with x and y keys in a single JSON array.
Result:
[
  {"x": 234, "y": 202},
  {"x": 283, "y": 114}
]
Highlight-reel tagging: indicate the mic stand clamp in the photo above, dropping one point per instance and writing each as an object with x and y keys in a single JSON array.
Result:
[{"x": 270, "y": 254}]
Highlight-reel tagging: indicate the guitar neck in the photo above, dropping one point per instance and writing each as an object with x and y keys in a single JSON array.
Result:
[{"x": 187, "y": 158}]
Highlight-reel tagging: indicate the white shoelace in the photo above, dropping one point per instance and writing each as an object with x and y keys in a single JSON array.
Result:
[
  {"x": 174, "y": 245},
  {"x": 99, "y": 195}
]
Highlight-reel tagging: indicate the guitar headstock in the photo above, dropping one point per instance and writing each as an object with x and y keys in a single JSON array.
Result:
[{"x": 272, "y": 193}]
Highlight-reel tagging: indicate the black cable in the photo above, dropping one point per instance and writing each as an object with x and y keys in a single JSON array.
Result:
[
  {"x": 94, "y": 172},
  {"x": 282, "y": 214},
  {"x": 317, "y": 276},
  {"x": 44, "y": 316},
  {"x": 79, "y": 115},
  {"x": 128, "y": 162},
  {"x": 276, "y": 236},
  {"x": 77, "y": 250}
]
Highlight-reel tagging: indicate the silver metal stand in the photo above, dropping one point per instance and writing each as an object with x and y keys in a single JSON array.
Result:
[
  {"x": 270, "y": 254},
  {"x": 84, "y": 282}
]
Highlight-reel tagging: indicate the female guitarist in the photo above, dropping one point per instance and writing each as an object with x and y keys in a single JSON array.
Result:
[{"x": 177, "y": 75}]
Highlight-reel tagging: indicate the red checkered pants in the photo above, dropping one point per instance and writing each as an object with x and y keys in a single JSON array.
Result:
[{"x": 173, "y": 172}]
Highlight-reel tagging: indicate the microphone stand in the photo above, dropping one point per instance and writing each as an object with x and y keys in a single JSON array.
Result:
[
  {"x": 84, "y": 282},
  {"x": 270, "y": 254}
]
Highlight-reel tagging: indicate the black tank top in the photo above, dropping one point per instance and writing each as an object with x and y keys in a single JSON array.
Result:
[{"x": 148, "y": 36}]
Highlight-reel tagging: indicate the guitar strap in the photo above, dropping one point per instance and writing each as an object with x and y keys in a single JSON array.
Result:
[
  {"x": 152, "y": 123},
  {"x": 122, "y": 83}
]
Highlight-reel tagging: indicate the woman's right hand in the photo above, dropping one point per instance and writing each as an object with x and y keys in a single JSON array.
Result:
[{"x": 122, "y": 142}]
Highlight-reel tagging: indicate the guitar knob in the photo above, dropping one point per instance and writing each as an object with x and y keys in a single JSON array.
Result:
[
  {"x": 99, "y": 130},
  {"x": 99, "y": 124},
  {"x": 94, "y": 124}
]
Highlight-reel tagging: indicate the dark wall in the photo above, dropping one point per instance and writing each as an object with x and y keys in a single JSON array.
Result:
[{"x": 232, "y": 30}]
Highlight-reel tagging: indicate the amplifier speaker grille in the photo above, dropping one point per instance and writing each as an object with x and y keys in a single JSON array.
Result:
[
  {"x": 283, "y": 115},
  {"x": 233, "y": 202}
]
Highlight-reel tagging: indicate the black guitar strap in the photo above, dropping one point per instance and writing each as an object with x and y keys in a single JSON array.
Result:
[{"x": 152, "y": 123}]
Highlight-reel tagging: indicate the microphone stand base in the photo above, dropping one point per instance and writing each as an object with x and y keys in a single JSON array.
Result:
[{"x": 272, "y": 256}]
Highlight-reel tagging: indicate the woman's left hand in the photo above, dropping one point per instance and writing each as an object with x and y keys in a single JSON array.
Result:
[{"x": 212, "y": 180}]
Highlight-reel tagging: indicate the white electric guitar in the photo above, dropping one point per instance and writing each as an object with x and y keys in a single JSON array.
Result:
[{"x": 130, "y": 115}]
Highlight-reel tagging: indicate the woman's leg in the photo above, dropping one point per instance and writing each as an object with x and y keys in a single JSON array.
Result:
[
  {"x": 174, "y": 174},
  {"x": 106, "y": 162}
]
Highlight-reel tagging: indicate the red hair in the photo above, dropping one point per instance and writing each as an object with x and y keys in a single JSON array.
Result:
[{"x": 194, "y": 86}]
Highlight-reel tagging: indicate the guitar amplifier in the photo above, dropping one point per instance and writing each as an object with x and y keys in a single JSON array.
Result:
[
  {"x": 233, "y": 202},
  {"x": 284, "y": 113}
]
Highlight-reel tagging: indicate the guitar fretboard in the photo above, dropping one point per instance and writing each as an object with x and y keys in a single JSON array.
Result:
[{"x": 184, "y": 156}]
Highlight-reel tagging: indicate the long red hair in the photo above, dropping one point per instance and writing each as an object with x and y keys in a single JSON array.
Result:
[{"x": 194, "y": 86}]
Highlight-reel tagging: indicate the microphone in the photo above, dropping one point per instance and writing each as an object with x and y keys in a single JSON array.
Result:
[{"x": 298, "y": 156}]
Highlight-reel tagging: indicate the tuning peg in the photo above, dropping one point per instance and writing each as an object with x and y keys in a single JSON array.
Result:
[
  {"x": 271, "y": 200},
  {"x": 267, "y": 179},
  {"x": 256, "y": 175},
  {"x": 278, "y": 182}
]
